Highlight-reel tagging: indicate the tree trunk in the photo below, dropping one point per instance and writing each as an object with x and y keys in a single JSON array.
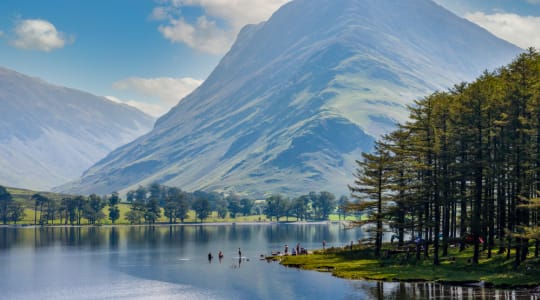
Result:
[{"x": 463, "y": 215}]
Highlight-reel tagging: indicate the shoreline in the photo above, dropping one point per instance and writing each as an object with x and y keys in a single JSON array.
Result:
[
  {"x": 21, "y": 226},
  {"x": 356, "y": 265},
  {"x": 465, "y": 283}
]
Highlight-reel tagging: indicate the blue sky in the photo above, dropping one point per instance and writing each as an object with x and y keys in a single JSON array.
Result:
[{"x": 151, "y": 53}]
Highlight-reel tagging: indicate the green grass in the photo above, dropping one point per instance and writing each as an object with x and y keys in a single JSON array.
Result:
[
  {"x": 25, "y": 196},
  {"x": 336, "y": 217},
  {"x": 456, "y": 268}
]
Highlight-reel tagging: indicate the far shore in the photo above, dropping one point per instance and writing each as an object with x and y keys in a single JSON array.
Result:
[{"x": 248, "y": 223}]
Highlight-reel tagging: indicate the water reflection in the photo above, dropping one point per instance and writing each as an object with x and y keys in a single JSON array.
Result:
[
  {"x": 427, "y": 290},
  {"x": 157, "y": 236},
  {"x": 175, "y": 258}
]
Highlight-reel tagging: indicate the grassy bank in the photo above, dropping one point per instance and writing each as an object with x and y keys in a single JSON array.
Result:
[{"x": 456, "y": 268}]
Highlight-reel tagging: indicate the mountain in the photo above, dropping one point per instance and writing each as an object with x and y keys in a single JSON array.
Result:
[
  {"x": 50, "y": 134},
  {"x": 297, "y": 98}
]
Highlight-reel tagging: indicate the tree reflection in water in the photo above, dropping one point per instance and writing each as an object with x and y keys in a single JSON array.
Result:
[{"x": 429, "y": 290}]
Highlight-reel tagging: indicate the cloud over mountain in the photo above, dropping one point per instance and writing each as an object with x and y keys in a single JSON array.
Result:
[
  {"x": 520, "y": 30},
  {"x": 205, "y": 34},
  {"x": 168, "y": 90}
]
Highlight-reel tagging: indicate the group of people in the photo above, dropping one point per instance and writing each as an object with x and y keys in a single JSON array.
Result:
[
  {"x": 210, "y": 256},
  {"x": 220, "y": 255},
  {"x": 295, "y": 251}
]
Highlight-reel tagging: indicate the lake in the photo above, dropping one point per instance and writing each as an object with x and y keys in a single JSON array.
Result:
[{"x": 171, "y": 262}]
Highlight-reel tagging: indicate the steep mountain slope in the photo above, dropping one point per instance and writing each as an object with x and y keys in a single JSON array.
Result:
[
  {"x": 49, "y": 134},
  {"x": 297, "y": 98}
]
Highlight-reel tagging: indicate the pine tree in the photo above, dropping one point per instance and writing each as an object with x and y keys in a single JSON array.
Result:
[{"x": 370, "y": 187}]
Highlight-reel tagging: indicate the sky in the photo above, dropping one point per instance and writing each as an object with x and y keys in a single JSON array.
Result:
[{"x": 152, "y": 53}]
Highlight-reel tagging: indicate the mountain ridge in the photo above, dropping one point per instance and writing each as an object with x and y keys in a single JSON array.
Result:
[
  {"x": 274, "y": 114},
  {"x": 50, "y": 134}
]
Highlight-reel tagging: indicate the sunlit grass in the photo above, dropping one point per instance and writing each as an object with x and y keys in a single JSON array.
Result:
[{"x": 455, "y": 268}]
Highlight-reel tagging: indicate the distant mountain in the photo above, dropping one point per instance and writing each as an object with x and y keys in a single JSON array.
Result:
[
  {"x": 50, "y": 134},
  {"x": 297, "y": 98}
]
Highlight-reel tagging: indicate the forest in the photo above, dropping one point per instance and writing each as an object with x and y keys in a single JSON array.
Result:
[{"x": 463, "y": 171}]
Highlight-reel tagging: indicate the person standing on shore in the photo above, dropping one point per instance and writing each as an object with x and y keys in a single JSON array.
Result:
[
  {"x": 239, "y": 253},
  {"x": 324, "y": 244}
]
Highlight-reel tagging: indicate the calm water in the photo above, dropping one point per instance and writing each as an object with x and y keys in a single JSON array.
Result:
[{"x": 170, "y": 262}]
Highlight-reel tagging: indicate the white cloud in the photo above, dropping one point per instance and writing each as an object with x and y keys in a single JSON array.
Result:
[
  {"x": 238, "y": 13},
  {"x": 38, "y": 35},
  {"x": 204, "y": 34},
  {"x": 165, "y": 91},
  {"x": 1, "y": 33},
  {"x": 169, "y": 90},
  {"x": 534, "y": 1},
  {"x": 154, "y": 110},
  {"x": 159, "y": 13},
  {"x": 520, "y": 30}
]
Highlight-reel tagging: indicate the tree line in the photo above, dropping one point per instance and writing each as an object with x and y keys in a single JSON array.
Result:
[
  {"x": 465, "y": 168},
  {"x": 147, "y": 204},
  {"x": 312, "y": 206},
  {"x": 68, "y": 210},
  {"x": 147, "y": 201}
]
